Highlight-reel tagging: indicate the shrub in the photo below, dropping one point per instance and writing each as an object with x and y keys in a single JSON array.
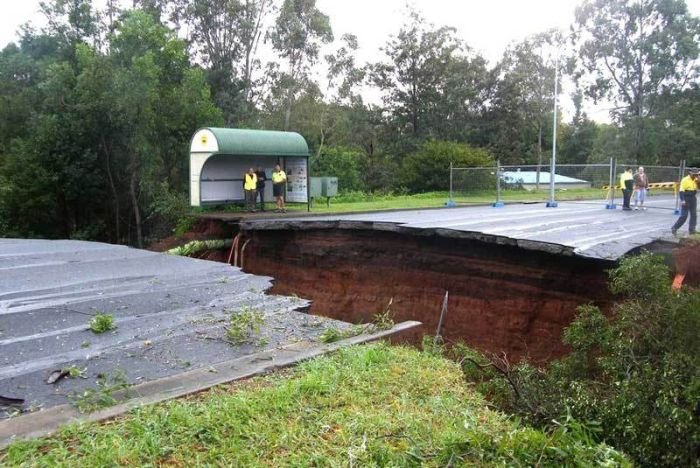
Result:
[
  {"x": 636, "y": 373},
  {"x": 343, "y": 163},
  {"x": 172, "y": 208},
  {"x": 428, "y": 169}
]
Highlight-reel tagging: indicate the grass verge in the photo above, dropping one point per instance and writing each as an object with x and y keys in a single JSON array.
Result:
[
  {"x": 372, "y": 405},
  {"x": 360, "y": 202}
]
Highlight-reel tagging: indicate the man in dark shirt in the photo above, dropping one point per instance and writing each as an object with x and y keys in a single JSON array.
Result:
[{"x": 260, "y": 173}]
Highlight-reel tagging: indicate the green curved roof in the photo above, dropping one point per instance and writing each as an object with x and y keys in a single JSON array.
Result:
[{"x": 243, "y": 142}]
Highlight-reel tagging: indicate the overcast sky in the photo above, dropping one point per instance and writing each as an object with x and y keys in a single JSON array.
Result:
[{"x": 486, "y": 25}]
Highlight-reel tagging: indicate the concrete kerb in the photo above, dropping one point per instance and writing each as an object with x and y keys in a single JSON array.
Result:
[{"x": 46, "y": 422}]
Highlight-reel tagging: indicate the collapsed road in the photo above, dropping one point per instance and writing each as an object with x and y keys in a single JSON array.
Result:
[
  {"x": 170, "y": 316},
  {"x": 515, "y": 275}
]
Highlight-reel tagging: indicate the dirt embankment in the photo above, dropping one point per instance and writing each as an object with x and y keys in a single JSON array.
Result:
[
  {"x": 501, "y": 298},
  {"x": 687, "y": 261},
  {"x": 203, "y": 229}
]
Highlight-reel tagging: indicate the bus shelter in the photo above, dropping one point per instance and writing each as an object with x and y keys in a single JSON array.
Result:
[{"x": 219, "y": 158}]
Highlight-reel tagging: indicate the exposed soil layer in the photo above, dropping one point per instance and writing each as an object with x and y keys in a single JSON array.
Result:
[
  {"x": 687, "y": 261},
  {"x": 203, "y": 229},
  {"x": 502, "y": 298}
]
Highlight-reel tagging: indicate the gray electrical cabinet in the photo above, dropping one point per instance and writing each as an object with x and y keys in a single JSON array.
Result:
[
  {"x": 323, "y": 187},
  {"x": 329, "y": 187},
  {"x": 316, "y": 187}
]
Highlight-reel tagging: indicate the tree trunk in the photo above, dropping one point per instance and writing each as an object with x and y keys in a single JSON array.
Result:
[
  {"x": 288, "y": 112},
  {"x": 137, "y": 213},
  {"x": 323, "y": 140},
  {"x": 113, "y": 189}
]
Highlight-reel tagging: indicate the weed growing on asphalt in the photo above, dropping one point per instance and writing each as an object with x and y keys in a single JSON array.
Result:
[
  {"x": 244, "y": 324},
  {"x": 75, "y": 372},
  {"x": 102, "y": 323},
  {"x": 102, "y": 395}
]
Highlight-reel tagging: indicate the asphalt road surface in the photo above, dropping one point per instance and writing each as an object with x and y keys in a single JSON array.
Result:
[
  {"x": 171, "y": 314},
  {"x": 587, "y": 228}
]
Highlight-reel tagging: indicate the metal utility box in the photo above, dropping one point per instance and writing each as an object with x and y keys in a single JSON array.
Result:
[
  {"x": 316, "y": 187},
  {"x": 329, "y": 187},
  {"x": 323, "y": 187}
]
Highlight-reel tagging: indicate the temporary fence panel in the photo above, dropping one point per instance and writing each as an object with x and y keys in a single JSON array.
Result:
[
  {"x": 473, "y": 184},
  {"x": 594, "y": 183}
]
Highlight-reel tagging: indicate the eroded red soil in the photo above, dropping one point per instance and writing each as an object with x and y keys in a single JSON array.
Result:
[
  {"x": 687, "y": 260},
  {"x": 501, "y": 298}
]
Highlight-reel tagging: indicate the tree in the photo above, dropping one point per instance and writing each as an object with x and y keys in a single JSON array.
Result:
[
  {"x": 525, "y": 91},
  {"x": 158, "y": 99},
  {"x": 430, "y": 81},
  {"x": 97, "y": 125},
  {"x": 71, "y": 21},
  {"x": 344, "y": 76},
  {"x": 226, "y": 34},
  {"x": 632, "y": 51},
  {"x": 299, "y": 31}
]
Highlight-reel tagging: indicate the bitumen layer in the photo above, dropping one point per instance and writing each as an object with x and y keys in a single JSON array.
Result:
[
  {"x": 586, "y": 229},
  {"x": 171, "y": 315}
]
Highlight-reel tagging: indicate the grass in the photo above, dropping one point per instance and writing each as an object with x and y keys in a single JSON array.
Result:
[
  {"x": 332, "y": 334},
  {"x": 359, "y": 202},
  {"x": 102, "y": 323},
  {"x": 102, "y": 395},
  {"x": 372, "y": 405}
]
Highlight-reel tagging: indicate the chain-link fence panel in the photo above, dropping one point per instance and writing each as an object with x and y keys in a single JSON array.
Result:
[
  {"x": 595, "y": 183},
  {"x": 473, "y": 184}
]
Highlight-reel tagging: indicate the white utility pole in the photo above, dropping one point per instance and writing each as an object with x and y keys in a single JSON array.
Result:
[{"x": 553, "y": 167}]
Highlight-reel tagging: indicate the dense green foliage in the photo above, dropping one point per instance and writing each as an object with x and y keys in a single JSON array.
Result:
[
  {"x": 97, "y": 108},
  {"x": 100, "y": 133},
  {"x": 428, "y": 169},
  {"x": 371, "y": 406},
  {"x": 634, "y": 375}
]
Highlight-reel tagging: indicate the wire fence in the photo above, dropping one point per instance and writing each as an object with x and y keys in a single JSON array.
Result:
[{"x": 595, "y": 183}]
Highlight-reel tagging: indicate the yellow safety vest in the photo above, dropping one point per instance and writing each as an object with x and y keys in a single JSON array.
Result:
[
  {"x": 251, "y": 182},
  {"x": 688, "y": 184},
  {"x": 279, "y": 177},
  {"x": 624, "y": 177}
]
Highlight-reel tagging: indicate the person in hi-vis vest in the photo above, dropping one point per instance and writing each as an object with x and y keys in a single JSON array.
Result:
[
  {"x": 689, "y": 202},
  {"x": 627, "y": 186},
  {"x": 279, "y": 180},
  {"x": 250, "y": 186}
]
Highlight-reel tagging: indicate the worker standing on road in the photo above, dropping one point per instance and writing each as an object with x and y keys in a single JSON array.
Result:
[
  {"x": 250, "y": 185},
  {"x": 641, "y": 184},
  {"x": 260, "y": 174},
  {"x": 689, "y": 202},
  {"x": 627, "y": 185},
  {"x": 279, "y": 180}
]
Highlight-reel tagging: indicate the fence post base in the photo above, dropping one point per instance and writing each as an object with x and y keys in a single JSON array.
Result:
[
  {"x": 610, "y": 206},
  {"x": 552, "y": 204},
  {"x": 450, "y": 204},
  {"x": 498, "y": 204}
]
